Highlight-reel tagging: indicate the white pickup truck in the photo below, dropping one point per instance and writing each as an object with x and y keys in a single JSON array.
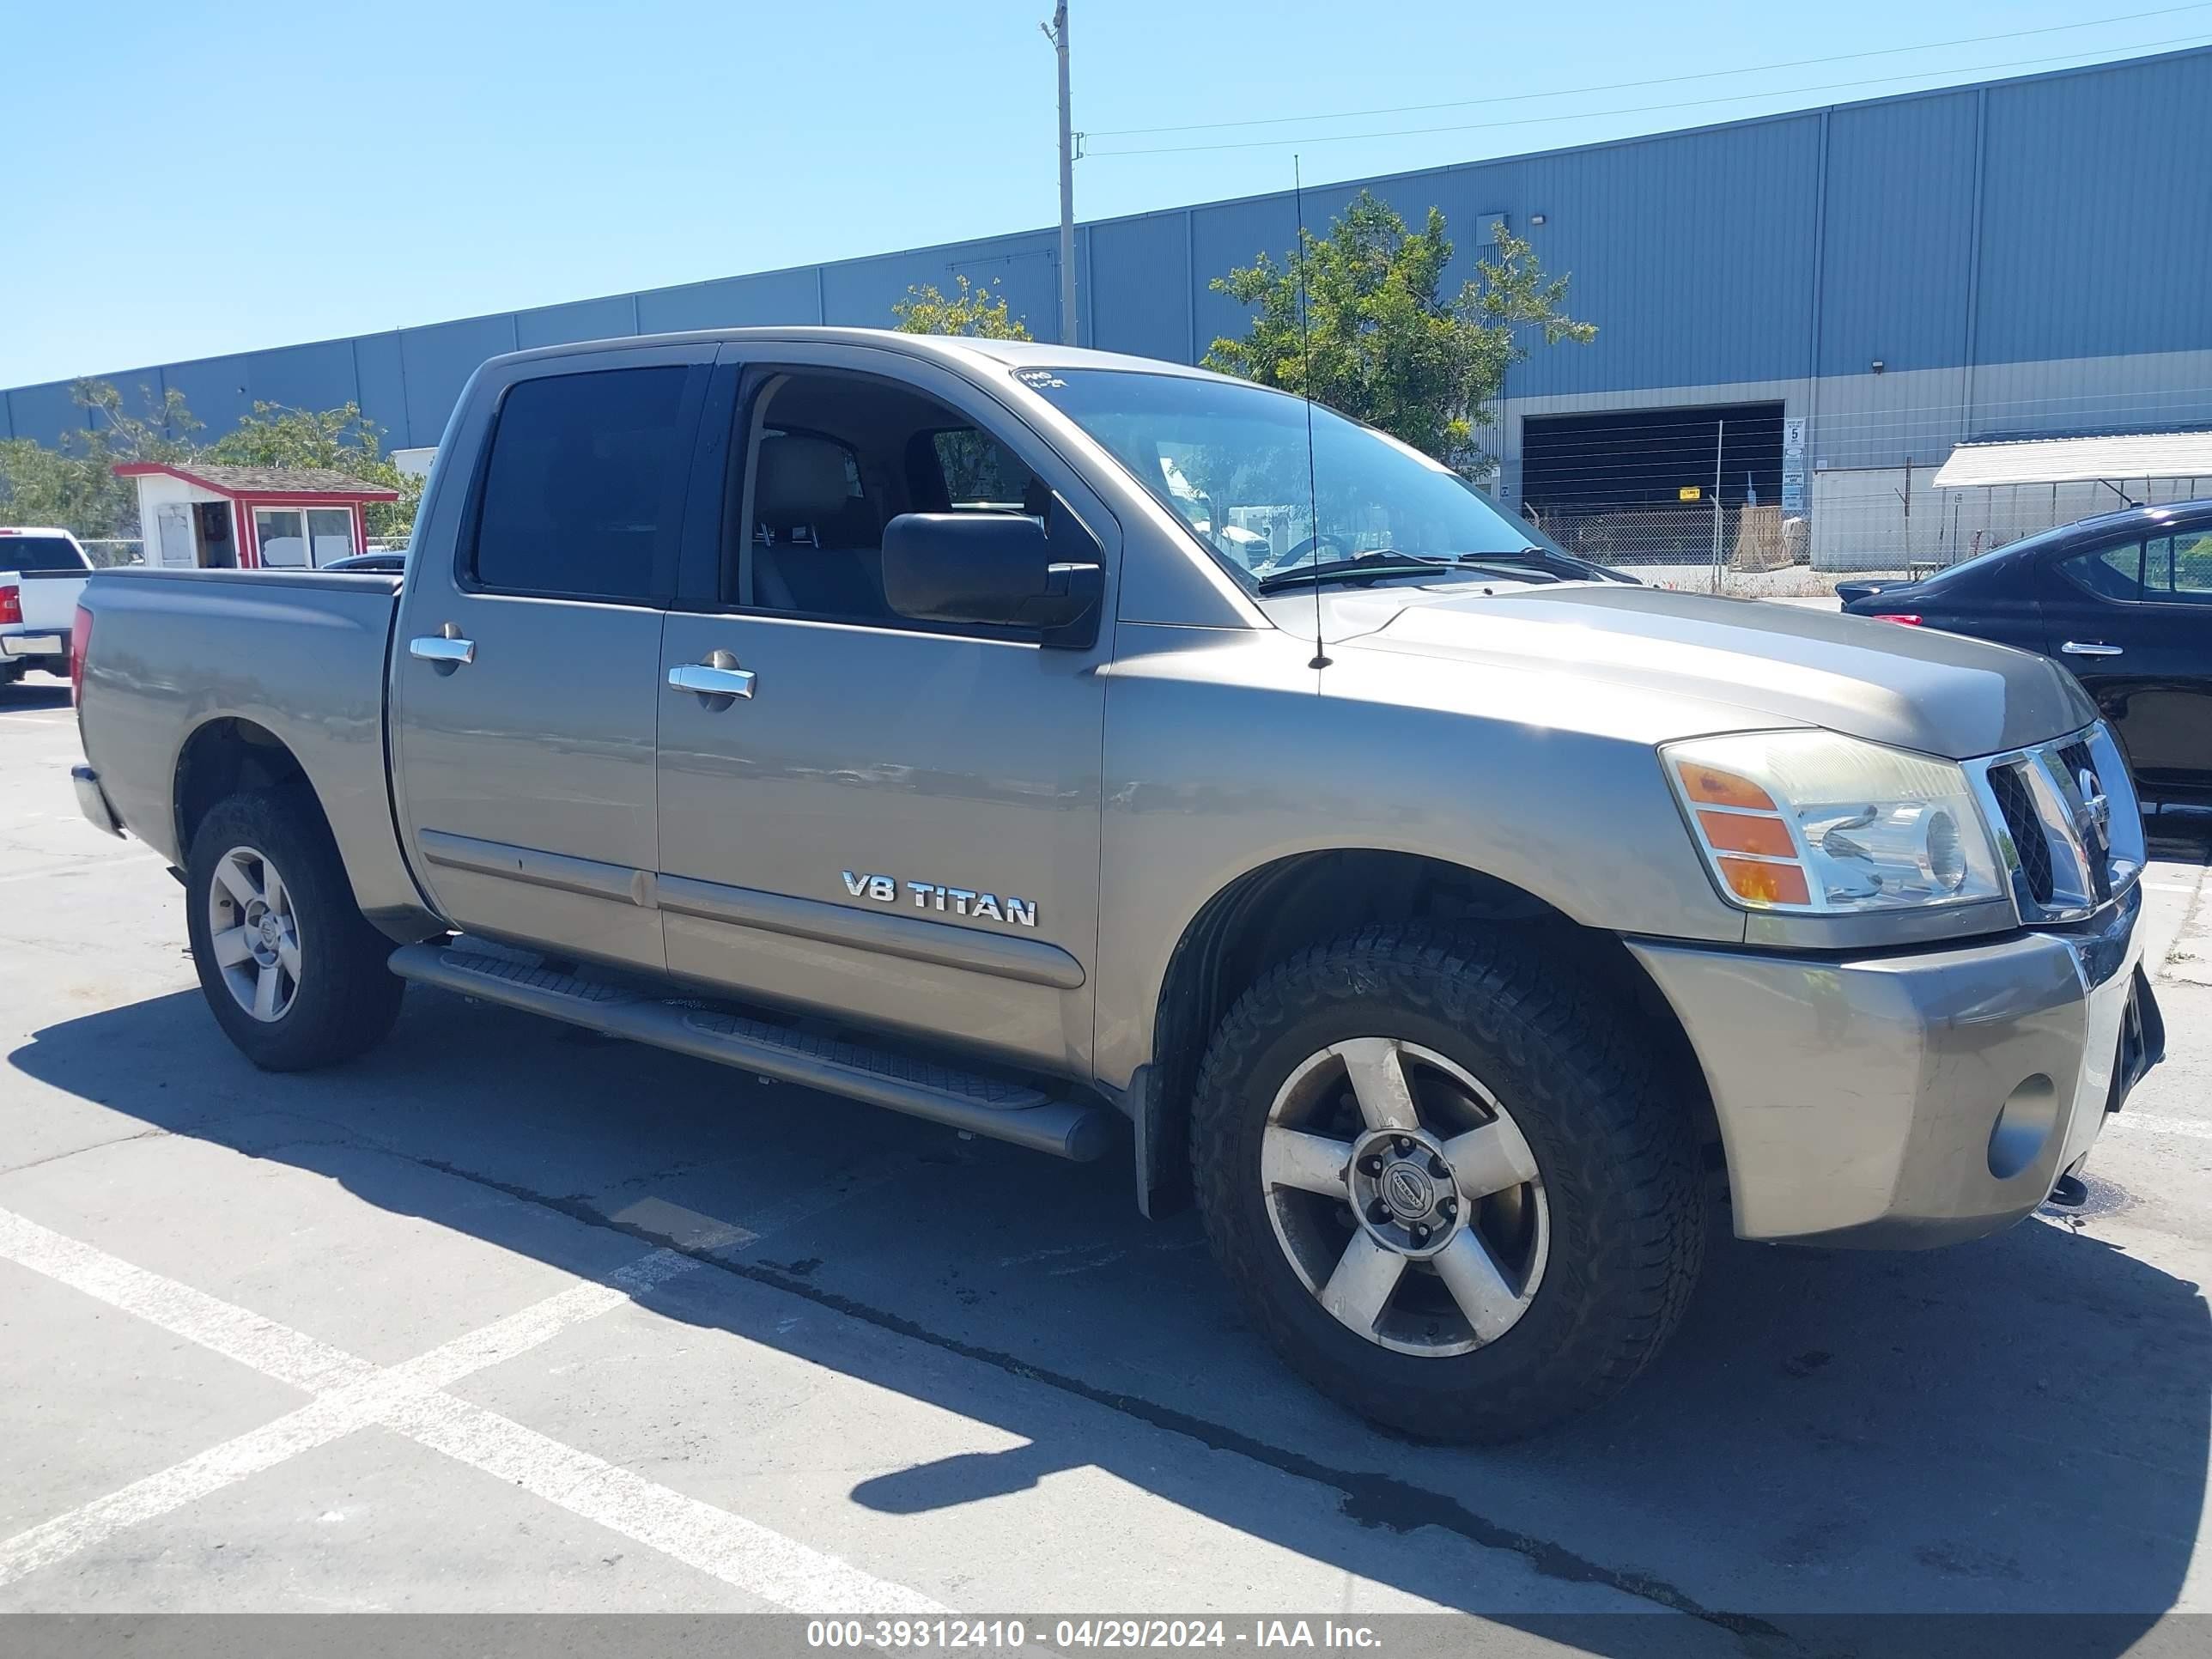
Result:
[{"x": 42, "y": 574}]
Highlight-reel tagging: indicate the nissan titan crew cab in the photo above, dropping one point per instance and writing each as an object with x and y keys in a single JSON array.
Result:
[{"x": 1109, "y": 760}]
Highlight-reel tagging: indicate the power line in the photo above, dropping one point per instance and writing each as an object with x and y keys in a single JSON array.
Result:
[
  {"x": 1638, "y": 109},
  {"x": 1627, "y": 85}
]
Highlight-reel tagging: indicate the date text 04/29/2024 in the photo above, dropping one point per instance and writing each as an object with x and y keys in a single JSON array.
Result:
[{"x": 952, "y": 1633}]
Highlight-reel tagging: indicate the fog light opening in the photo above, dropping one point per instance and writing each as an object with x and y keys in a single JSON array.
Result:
[{"x": 2023, "y": 1127}]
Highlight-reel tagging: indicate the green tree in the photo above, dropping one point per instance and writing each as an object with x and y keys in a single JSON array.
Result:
[
  {"x": 970, "y": 461},
  {"x": 338, "y": 439},
  {"x": 1386, "y": 346},
  {"x": 977, "y": 312},
  {"x": 73, "y": 484}
]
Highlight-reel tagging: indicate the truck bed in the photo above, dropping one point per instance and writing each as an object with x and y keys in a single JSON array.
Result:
[{"x": 300, "y": 654}]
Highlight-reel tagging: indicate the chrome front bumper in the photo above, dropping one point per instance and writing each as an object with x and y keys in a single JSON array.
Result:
[{"x": 1916, "y": 1099}]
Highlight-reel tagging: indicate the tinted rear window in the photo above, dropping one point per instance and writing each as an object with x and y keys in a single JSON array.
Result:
[
  {"x": 585, "y": 477},
  {"x": 38, "y": 553}
]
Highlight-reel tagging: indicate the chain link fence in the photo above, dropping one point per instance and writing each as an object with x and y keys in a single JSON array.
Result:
[{"x": 1752, "y": 551}]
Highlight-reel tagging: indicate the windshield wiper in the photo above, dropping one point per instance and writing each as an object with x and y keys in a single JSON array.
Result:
[{"x": 1364, "y": 566}]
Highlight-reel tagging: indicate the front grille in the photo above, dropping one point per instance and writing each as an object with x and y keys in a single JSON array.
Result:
[
  {"x": 2022, "y": 823},
  {"x": 2080, "y": 773},
  {"x": 2068, "y": 811}
]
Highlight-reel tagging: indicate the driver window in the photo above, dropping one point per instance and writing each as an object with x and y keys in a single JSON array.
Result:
[
  {"x": 2178, "y": 568},
  {"x": 831, "y": 458}
]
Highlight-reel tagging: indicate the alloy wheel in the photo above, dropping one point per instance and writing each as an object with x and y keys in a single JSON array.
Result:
[
  {"x": 1405, "y": 1196},
  {"x": 254, "y": 934}
]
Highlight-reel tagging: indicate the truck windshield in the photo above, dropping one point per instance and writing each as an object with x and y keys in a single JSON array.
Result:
[
  {"x": 39, "y": 553},
  {"x": 1231, "y": 461}
]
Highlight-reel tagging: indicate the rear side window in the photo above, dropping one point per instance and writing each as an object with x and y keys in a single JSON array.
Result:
[
  {"x": 585, "y": 478},
  {"x": 39, "y": 553},
  {"x": 2109, "y": 573}
]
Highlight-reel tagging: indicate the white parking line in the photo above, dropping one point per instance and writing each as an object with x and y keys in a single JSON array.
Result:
[
  {"x": 353, "y": 1394},
  {"x": 734, "y": 1549},
  {"x": 288, "y": 1355}
]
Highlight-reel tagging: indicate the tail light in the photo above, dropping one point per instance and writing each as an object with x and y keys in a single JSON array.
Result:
[
  {"x": 80, "y": 637},
  {"x": 1904, "y": 616},
  {"x": 11, "y": 603}
]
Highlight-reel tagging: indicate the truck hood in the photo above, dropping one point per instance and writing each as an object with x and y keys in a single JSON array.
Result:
[{"x": 1780, "y": 665}]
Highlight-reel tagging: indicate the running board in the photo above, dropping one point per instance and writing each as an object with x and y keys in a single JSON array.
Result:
[{"x": 981, "y": 1105}]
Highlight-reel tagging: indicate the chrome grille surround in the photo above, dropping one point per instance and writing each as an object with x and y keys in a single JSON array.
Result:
[{"x": 2065, "y": 819}]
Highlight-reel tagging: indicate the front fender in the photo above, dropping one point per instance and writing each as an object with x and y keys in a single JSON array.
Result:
[{"x": 1222, "y": 758}]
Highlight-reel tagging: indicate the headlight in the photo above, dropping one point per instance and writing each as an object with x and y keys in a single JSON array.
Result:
[{"x": 1812, "y": 821}]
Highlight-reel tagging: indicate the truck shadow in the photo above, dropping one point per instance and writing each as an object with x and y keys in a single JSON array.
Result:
[
  {"x": 24, "y": 696},
  {"x": 2018, "y": 1425}
]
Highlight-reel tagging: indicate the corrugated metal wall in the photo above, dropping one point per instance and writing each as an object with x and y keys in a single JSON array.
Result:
[{"x": 2058, "y": 216}]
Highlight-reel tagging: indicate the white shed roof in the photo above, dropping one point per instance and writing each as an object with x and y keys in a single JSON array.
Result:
[{"x": 2074, "y": 461}]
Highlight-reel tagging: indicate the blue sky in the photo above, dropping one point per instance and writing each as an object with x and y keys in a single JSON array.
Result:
[{"x": 190, "y": 180}]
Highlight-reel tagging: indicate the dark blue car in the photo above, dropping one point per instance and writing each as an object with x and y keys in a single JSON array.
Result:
[{"x": 2124, "y": 599}]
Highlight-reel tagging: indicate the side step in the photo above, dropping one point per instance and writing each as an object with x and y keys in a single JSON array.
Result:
[{"x": 993, "y": 1107}]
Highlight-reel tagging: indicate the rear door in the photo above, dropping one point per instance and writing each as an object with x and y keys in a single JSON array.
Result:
[
  {"x": 525, "y": 694},
  {"x": 2133, "y": 619}
]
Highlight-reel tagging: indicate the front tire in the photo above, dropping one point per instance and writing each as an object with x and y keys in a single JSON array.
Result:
[
  {"x": 293, "y": 973},
  {"x": 1444, "y": 1175}
]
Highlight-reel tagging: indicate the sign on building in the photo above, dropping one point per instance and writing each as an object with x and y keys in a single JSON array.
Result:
[{"x": 1793, "y": 467}]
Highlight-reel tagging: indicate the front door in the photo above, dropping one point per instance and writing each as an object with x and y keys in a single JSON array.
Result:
[
  {"x": 895, "y": 822},
  {"x": 526, "y": 689},
  {"x": 2134, "y": 621}
]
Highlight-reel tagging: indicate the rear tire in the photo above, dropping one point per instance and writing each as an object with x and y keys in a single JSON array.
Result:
[
  {"x": 1506, "y": 1239},
  {"x": 293, "y": 971}
]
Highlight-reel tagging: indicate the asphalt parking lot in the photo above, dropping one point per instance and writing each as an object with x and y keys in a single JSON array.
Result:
[{"x": 505, "y": 1318}]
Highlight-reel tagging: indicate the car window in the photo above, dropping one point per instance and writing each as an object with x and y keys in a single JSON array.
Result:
[
  {"x": 39, "y": 553},
  {"x": 837, "y": 457},
  {"x": 1266, "y": 482},
  {"x": 981, "y": 474},
  {"x": 584, "y": 473},
  {"x": 2178, "y": 568},
  {"x": 2109, "y": 573}
]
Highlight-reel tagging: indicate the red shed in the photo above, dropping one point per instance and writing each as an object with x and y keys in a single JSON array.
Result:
[{"x": 196, "y": 513}]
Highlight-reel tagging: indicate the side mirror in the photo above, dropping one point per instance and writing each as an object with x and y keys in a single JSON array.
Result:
[{"x": 999, "y": 569}]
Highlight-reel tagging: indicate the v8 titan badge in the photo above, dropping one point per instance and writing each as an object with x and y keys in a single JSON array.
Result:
[{"x": 936, "y": 896}]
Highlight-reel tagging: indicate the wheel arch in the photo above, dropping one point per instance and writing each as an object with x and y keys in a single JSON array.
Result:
[
  {"x": 224, "y": 755},
  {"x": 1270, "y": 913},
  {"x": 345, "y": 785}
]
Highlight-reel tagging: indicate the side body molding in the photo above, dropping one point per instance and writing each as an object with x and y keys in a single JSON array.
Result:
[{"x": 977, "y": 950}]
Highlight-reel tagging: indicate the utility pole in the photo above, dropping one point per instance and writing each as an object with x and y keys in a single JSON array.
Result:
[{"x": 1056, "y": 32}]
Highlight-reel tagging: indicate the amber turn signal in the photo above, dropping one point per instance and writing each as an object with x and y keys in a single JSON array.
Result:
[
  {"x": 1734, "y": 832},
  {"x": 1765, "y": 884},
  {"x": 1715, "y": 787}
]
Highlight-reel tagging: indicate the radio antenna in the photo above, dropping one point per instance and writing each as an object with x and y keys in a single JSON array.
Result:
[{"x": 1305, "y": 379}]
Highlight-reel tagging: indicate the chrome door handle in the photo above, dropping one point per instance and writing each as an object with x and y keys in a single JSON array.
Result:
[
  {"x": 709, "y": 681},
  {"x": 442, "y": 648},
  {"x": 2081, "y": 649}
]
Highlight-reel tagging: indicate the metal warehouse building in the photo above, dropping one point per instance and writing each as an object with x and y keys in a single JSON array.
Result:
[{"x": 1809, "y": 310}]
